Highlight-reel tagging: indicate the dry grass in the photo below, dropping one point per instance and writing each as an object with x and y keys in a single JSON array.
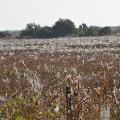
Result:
[{"x": 32, "y": 84}]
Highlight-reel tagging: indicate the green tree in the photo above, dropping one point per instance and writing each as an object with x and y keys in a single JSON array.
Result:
[
  {"x": 85, "y": 30},
  {"x": 4, "y": 34},
  {"x": 1, "y": 34},
  {"x": 36, "y": 31},
  {"x": 63, "y": 27},
  {"x": 31, "y": 31},
  {"x": 105, "y": 31},
  {"x": 93, "y": 31},
  {"x": 46, "y": 32},
  {"x": 82, "y": 30}
]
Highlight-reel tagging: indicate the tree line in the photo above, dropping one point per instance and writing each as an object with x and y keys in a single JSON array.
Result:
[{"x": 61, "y": 28}]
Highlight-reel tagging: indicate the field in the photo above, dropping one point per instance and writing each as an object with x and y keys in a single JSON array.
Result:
[{"x": 34, "y": 74}]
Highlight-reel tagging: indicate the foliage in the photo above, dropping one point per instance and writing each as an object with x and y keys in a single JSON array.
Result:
[
  {"x": 82, "y": 29},
  {"x": 45, "y": 32},
  {"x": 36, "y": 31},
  {"x": 105, "y": 31},
  {"x": 93, "y": 31},
  {"x": 63, "y": 27},
  {"x": 4, "y": 34},
  {"x": 85, "y": 30}
]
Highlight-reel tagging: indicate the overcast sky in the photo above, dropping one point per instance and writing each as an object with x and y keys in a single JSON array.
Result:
[{"x": 15, "y": 14}]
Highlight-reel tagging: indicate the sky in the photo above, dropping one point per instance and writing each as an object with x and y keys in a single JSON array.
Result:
[{"x": 15, "y": 14}]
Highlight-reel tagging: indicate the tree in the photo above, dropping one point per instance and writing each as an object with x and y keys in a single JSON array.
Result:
[
  {"x": 4, "y": 34},
  {"x": 105, "y": 31},
  {"x": 93, "y": 31},
  {"x": 31, "y": 31},
  {"x": 82, "y": 30},
  {"x": 1, "y": 34},
  {"x": 36, "y": 31},
  {"x": 63, "y": 27},
  {"x": 46, "y": 32}
]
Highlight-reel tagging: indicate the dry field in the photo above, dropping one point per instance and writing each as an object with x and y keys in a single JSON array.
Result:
[{"x": 34, "y": 75}]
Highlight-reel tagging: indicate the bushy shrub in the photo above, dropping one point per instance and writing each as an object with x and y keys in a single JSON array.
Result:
[{"x": 105, "y": 31}]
